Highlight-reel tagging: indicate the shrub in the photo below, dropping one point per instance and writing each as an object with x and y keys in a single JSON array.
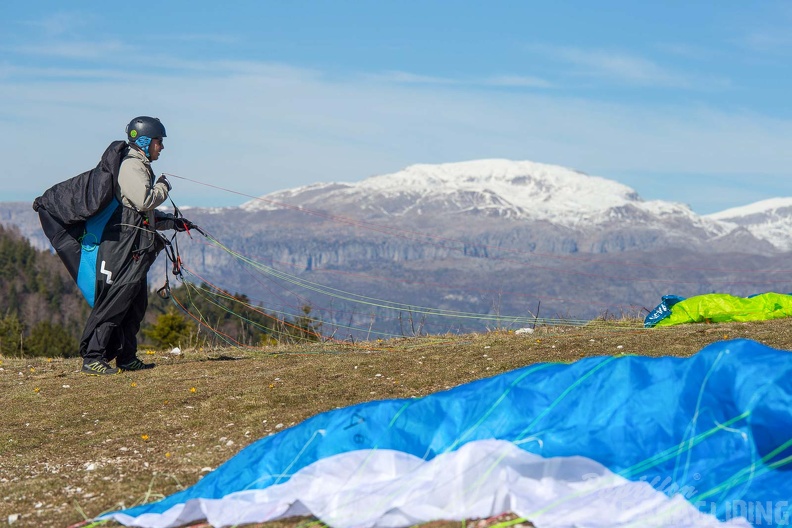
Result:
[
  {"x": 10, "y": 334},
  {"x": 51, "y": 340},
  {"x": 171, "y": 329}
]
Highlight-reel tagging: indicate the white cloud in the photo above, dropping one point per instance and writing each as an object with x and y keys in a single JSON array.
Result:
[
  {"x": 617, "y": 67},
  {"x": 512, "y": 81},
  {"x": 34, "y": 74},
  {"x": 517, "y": 81},
  {"x": 769, "y": 36},
  {"x": 75, "y": 49},
  {"x": 769, "y": 41},
  {"x": 61, "y": 24},
  {"x": 689, "y": 51},
  {"x": 213, "y": 38},
  {"x": 401, "y": 77}
]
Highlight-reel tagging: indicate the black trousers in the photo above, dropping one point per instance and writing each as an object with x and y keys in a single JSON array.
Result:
[
  {"x": 112, "y": 327},
  {"x": 123, "y": 253}
]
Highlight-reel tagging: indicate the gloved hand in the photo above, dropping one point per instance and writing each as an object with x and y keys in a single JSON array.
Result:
[
  {"x": 182, "y": 224},
  {"x": 163, "y": 179}
]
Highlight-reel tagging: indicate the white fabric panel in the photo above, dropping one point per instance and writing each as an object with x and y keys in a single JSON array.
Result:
[{"x": 381, "y": 488}]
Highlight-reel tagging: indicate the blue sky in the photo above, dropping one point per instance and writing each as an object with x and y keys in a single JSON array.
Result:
[{"x": 683, "y": 101}]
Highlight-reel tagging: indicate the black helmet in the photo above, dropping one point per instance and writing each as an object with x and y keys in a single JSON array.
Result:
[{"x": 145, "y": 126}]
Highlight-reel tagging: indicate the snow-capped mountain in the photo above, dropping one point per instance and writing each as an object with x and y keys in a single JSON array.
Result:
[
  {"x": 502, "y": 187},
  {"x": 511, "y": 189},
  {"x": 476, "y": 197},
  {"x": 769, "y": 220},
  {"x": 520, "y": 190}
]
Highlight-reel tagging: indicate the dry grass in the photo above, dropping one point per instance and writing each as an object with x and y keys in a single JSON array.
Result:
[{"x": 73, "y": 446}]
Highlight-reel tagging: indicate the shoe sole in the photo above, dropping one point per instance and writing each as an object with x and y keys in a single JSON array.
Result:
[
  {"x": 122, "y": 369},
  {"x": 99, "y": 374},
  {"x": 102, "y": 369}
]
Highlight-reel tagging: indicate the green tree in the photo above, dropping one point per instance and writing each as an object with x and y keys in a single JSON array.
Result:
[
  {"x": 11, "y": 334},
  {"x": 303, "y": 328},
  {"x": 223, "y": 316},
  {"x": 35, "y": 287},
  {"x": 51, "y": 340},
  {"x": 169, "y": 330}
]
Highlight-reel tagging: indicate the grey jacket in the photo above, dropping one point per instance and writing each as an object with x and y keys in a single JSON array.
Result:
[{"x": 136, "y": 188}]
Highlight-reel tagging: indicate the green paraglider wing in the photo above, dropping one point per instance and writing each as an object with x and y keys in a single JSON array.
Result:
[{"x": 722, "y": 307}]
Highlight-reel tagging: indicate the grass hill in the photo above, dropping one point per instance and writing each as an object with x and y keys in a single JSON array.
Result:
[{"x": 74, "y": 446}]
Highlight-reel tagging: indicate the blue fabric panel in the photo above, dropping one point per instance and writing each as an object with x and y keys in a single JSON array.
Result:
[
  {"x": 717, "y": 426},
  {"x": 94, "y": 227},
  {"x": 662, "y": 310}
]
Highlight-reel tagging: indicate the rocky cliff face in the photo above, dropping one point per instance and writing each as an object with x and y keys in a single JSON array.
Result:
[
  {"x": 21, "y": 216},
  {"x": 355, "y": 274}
]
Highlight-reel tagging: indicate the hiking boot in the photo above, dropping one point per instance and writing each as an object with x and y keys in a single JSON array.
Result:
[
  {"x": 134, "y": 364},
  {"x": 97, "y": 367}
]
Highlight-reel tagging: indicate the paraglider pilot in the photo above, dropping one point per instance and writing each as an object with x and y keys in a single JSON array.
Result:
[{"x": 103, "y": 224}]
